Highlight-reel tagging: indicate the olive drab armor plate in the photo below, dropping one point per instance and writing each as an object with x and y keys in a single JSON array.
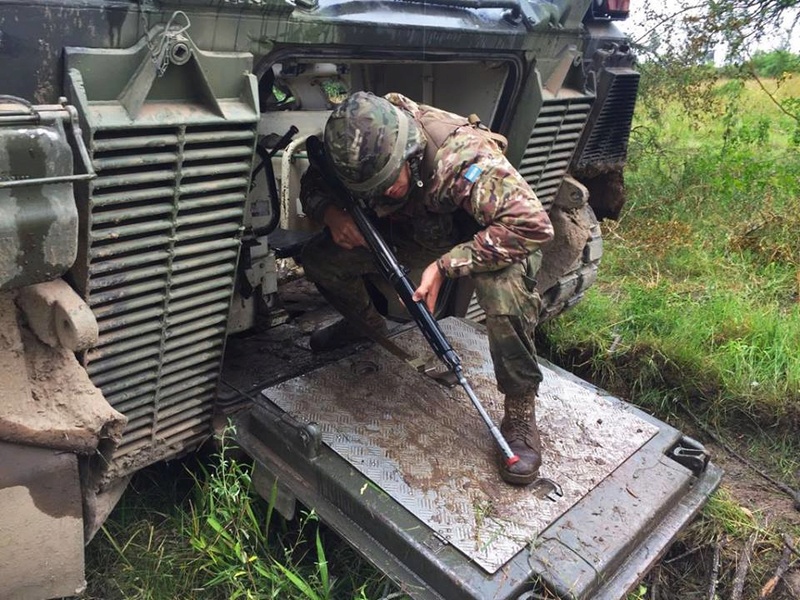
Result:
[{"x": 160, "y": 230}]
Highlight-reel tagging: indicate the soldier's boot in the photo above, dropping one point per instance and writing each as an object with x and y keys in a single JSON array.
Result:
[
  {"x": 519, "y": 429},
  {"x": 343, "y": 332}
]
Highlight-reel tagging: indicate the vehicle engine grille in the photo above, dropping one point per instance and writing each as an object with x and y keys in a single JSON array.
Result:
[
  {"x": 159, "y": 233},
  {"x": 164, "y": 223},
  {"x": 552, "y": 143},
  {"x": 609, "y": 125}
]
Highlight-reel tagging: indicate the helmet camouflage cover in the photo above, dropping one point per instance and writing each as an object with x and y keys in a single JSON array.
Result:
[{"x": 368, "y": 139}]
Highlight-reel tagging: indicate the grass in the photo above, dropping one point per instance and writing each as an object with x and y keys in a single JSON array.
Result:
[
  {"x": 697, "y": 308},
  {"x": 700, "y": 285},
  {"x": 197, "y": 529}
]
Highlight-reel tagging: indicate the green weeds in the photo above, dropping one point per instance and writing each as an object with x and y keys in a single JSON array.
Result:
[
  {"x": 699, "y": 291},
  {"x": 217, "y": 539},
  {"x": 696, "y": 313}
]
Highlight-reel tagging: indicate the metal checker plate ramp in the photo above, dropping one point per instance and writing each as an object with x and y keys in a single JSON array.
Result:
[{"x": 426, "y": 446}]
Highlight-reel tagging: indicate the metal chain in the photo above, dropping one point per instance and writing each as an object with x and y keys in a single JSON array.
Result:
[{"x": 161, "y": 41}]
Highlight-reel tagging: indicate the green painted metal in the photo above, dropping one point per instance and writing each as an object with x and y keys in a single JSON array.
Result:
[
  {"x": 38, "y": 221},
  {"x": 160, "y": 229}
]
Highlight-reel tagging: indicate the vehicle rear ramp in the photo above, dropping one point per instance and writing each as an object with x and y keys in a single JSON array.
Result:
[{"x": 405, "y": 470}]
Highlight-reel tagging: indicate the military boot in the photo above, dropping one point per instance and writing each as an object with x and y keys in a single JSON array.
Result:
[
  {"x": 343, "y": 332},
  {"x": 519, "y": 429}
]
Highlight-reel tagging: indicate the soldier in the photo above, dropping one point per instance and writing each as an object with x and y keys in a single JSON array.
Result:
[{"x": 421, "y": 170}]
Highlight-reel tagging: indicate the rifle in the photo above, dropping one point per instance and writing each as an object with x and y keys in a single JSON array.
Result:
[{"x": 396, "y": 274}]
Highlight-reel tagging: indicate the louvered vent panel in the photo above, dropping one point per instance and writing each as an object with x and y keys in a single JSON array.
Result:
[
  {"x": 607, "y": 142},
  {"x": 164, "y": 222},
  {"x": 552, "y": 143}
]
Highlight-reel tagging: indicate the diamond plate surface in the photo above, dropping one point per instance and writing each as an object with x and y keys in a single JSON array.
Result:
[{"x": 428, "y": 448}]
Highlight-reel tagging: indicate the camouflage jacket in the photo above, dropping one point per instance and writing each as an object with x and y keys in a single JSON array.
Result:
[{"x": 463, "y": 168}]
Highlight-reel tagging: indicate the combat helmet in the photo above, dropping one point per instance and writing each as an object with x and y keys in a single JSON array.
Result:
[{"x": 368, "y": 140}]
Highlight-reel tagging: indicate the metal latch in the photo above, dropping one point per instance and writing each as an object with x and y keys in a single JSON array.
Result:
[{"x": 691, "y": 454}]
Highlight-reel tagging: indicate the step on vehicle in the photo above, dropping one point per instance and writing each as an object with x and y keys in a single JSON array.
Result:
[{"x": 150, "y": 156}]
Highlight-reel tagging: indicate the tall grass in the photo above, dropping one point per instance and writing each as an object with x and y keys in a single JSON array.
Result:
[
  {"x": 699, "y": 290},
  {"x": 197, "y": 529},
  {"x": 697, "y": 307}
]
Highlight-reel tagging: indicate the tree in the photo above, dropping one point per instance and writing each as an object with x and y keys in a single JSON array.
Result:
[{"x": 678, "y": 38}]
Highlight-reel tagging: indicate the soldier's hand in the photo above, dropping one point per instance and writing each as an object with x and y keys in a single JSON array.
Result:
[
  {"x": 344, "y": 231},
  {"x": 428, "y": 290}
]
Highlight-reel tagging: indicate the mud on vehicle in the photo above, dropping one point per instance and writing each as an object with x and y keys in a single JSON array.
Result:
[{"x": 150, "y": 156}]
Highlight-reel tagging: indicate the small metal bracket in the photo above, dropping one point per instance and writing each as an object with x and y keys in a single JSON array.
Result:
[
  {"x": 691, "y": 454},
  {"x": 306, "y": 437}
]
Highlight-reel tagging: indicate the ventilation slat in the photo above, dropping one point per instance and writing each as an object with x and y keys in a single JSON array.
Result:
[
  {"x": 109, "y": 351},
  {"x": 210, "y": 201},
  {"x": 131, "y": 318},
  {"x": 140, "y": 395},
  {"x": 209, "y": 187},
  {"x": 180, "y": 422},
  {"x": 188, "y": 276},
  {"x": 111, "y": 199},
  {"x": 131, "y": 179},
  {"x": 165, "y": 221},
  {"x": 192, "y": 290},
  {"x": 215, "y": 170},
  {"x": 195, "y": 350},
  {"x": 126, "y": 262},
  {"x": 102, "y": 312},
  {"x": 101, "y": 366},
  {"x": 130, "y": 276},
  {"x": 137, "y": 407},
  {"x": 197, "y": 374},
  {"x": 184, "y": 394},
  {"x": 218, "y": 154},
  {"x": 106, "y": 378},
  {"x": 174, "y": 343},
  {"x": 135, "y": 381},
  {"x": 137, "y": 161},
  {"x": 126, "y": 291},
  {"x": 128, "y": 333},
  {"x": 207, "y": 247},
  {"x": 193, "y": 326},
  {"x": 210, "y": 217},
  {"x": 201, "y": 232},
  {"x": 205, "y": 137},
  {"x": 201, "y": 311},
  {"x": 135, "y": 142},
  {"x": 210, "y": 358},
  {"x": 121, "y": 215},
  {"x": 110, "y": 250}
]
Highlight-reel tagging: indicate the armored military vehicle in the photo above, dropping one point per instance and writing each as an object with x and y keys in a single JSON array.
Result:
[{"x": 150, "y": 154}]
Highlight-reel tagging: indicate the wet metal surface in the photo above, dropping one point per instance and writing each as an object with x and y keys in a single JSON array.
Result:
[{"x": 427, "y": 447}]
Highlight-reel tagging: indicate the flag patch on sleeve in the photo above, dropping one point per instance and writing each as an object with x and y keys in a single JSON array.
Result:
[{"x": 473, "y": 173}]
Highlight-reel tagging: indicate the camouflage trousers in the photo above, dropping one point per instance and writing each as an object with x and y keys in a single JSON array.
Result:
[{"x": 507, "y": 297}]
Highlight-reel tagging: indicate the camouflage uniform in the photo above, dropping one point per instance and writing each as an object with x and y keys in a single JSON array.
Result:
[{"x": 461, "y": 168}]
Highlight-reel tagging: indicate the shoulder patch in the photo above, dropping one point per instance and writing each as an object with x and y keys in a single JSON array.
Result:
[{"x": 473, "y": 173}]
